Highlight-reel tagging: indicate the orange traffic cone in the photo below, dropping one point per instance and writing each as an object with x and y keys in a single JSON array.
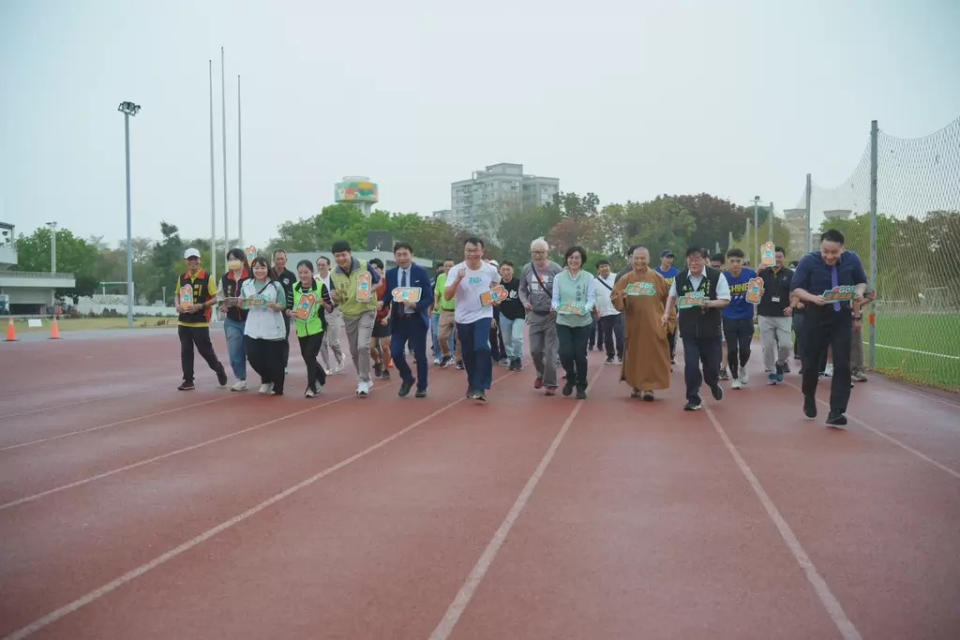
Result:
[
  {"x": 11, "y": 332},
  {"x": 54, "y": 329}
]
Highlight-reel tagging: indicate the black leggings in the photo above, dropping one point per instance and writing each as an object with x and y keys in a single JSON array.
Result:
[
  {"x": 309, "y": 349},
  {"x": 573, "y": 353},
  {"x": 739, "y": 334},
  {"x": 266, "y": 358}
]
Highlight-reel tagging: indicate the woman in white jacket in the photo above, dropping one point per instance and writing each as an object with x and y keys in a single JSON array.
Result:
[{"x": 264, "y": 334}]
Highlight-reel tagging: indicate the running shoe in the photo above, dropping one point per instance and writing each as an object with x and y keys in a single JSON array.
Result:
[
  {"x": 772, "y": 378},
  {"x": 810, "y": 407},
  {"x": 567, "y": 388},
  {"x": 859, "y": 376},
  {"x": 460, "y": 366},
  {"x": 692, "y": 406},
  {"x": 724, "y": 375},
  {"x": 717, "y": 392},
  {"x": 309, "y": 393},
  {"x": 608, "y": 360},
  {"x": 581, "y": 394},
  {"x": 836, "y": 420},
  {"x": 186, "y": 385},
  {"x": 781, "y": 368},
  {"x": 239, "y": 385},
  {"x": 266, "y": 387},
  {"x": 222, "y": 377},
  {"x": 736, "y": 384},
  {"x": 648, "y": 396},
  {"x": 744, "y": 377}
]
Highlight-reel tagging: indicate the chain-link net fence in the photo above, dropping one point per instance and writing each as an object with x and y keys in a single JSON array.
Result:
[{"x": 917, "y": 311}]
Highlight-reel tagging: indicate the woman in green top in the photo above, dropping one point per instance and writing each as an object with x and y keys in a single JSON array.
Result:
[
  {"x": 310, "y": 327},
  {"x": 574, "y": 296}
]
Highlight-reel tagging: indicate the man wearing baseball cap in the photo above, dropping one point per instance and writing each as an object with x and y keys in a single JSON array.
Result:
[{"x": 193, "y": 324}]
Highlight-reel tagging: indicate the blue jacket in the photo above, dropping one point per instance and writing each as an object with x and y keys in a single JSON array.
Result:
[{"x": 419, "y": 277}]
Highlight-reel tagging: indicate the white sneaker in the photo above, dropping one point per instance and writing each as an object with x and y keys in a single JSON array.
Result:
[
  {"x": 736, "y": 384},
  {"x": 828, "y": 371},
  {"x": 240, "y": 385},
  {"x": 744, "y": 377},
  {"x": 266, "y": 387},
  {"x": 309, "y": 393},
  {"x": 363, "y": 389}
]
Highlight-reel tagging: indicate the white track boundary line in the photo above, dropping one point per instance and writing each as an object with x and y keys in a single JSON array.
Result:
[
  {"x": 111, "y": 424},
  {"x": 465, "y": 594},
  {"x": 140, "y": 463},
  {"x": 98, "y": 593},
  {"x": 891, "y": 439},
  {"x": 925, "y": 353},
  {"x": 830, "y": 602}
]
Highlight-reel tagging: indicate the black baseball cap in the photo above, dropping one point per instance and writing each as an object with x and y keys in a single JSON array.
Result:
[{"x": 667, "y": 253}]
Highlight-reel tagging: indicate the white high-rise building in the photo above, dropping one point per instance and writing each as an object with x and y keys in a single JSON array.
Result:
[{"x": 478, "y": 204}]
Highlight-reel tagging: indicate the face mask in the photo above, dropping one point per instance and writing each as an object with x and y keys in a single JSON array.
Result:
[{"x": 234, "y": 265}]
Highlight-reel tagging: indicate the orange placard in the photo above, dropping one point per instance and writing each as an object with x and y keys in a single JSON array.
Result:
[
  {"x": 496, "y": 294},
  {"x": 305, "y": 306},
  {"x": 755, "y": 290}
]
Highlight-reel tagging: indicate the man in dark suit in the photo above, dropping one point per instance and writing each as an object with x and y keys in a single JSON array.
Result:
[{"x": 411, "y": 320}]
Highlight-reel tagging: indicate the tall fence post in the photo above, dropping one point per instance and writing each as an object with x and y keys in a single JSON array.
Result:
[
  {"x": 873, "y": 239},
  {"x": 807, "y": 246}
]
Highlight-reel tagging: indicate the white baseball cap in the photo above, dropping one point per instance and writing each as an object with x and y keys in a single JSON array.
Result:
[{"x": 191, "y": 253}]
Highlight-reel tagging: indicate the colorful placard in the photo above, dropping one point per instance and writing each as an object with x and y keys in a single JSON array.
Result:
[
  {"x": 768, "y": 254},
  {"x": 690, "y": 300},
  {"x": 364, "y": 287},
  {"x": 305, "y": 306},
  {"x": 843, "y": 293},
  {"x": 186, "y": 295},
  {"x": 251, "y": 253},
  {"x": 641, "y": 289},
  {"x": 572, "y": 308},
  {"x": 755, "y": 290},
  {"x": 494, "y": 295},
  {"x": 406, "y": 294},
  {"x": 254, "y": 301}
]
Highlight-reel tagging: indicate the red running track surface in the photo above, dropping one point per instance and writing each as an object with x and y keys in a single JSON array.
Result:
[{"x": 131, "y": 510}]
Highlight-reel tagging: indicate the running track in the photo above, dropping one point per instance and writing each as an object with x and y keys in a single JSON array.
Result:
[{"x": 131, "y": 510}]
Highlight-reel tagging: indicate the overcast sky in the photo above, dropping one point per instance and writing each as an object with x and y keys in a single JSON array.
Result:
[{"x": 625, "y": 99}]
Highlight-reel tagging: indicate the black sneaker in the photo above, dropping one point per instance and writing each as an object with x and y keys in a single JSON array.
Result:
[
  {"x": 385, "y": 375},
  {"x": 717, "y": 392},
  {"x": 460, "y": 366},
  {"x": 481, "y": 396},
  {"x": 421, "y": 393},
  {"x": 222, "y": 377},
  {"x": 517, "y": 364},
  {"x": 404, "y": 388},
  {"x": 444, "y": 361},
  {"x": 724, "y": 375},
  {"x": 609, "y": 360},
  {"x": 581, "y": 394},
  {"x": 471, "y": 394},
  {"x": 567, "y": 388},
  {"x": 780, "y": 372},
  {"x": 186, "y": 385},
  {"x": 377, "y": 370},
  {"x": 810, "y": 407},
  {"x": 692, "y": 406},
  {"x": 648, "y": 396},
  {"x": 836, "y": 420}
]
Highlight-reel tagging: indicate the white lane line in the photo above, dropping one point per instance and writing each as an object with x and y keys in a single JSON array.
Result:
[
  {"x": 830, "y": 602},
  {"x": 140, "y": 463},
  {"x": 111, "y": 424},
  {"x": 891, "y": 439},
  {"x": 925, "y": 353},
  {"x": 133, "y": 574},
  {"x": 463, "y": 597}
]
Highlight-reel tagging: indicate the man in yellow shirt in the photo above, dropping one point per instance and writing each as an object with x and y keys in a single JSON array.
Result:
[{"x": 196, "y": 293}]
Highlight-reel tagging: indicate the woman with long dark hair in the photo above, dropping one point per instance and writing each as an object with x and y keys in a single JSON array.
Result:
[
  {"x": 310, "y": 323},
  {"x": 574, "y": 297},
  {"x": 264, "y": 332},
  {"x": 236, "y": 316}
]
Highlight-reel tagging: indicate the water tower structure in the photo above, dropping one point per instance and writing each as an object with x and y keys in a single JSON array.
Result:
[{"x": 358, "y": 191}]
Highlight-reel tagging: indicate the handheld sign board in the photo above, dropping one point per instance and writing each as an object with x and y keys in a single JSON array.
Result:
[
  {"x": 844, "y": 293},
  {"x": 641, "y": 289},
  {"x": 571, "y": 307},
  {"x": 768, "y": 255},
  {"x": 305, "y": 307},
  {"x": 406, "y": 294},
  {"x": 755, "y": 290},
  {"x": 251, "y": 253},
  {"x": 186, "y": 295},
  {"x": 364, "y": 287},
  {"x": 690, "y": 300},
  {"x": 496, "y": 294}
]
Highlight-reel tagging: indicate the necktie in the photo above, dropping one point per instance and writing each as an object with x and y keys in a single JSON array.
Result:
[
  {"x": 835, "y": 282},
  {"x": 403, "y": 280}
]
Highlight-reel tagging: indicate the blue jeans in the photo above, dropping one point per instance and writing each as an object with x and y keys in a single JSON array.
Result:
[
  {"x": 475, "y": 346},
  {"x": 435, "y": 335},
  {"x": 512, "y": 333},
  {"x": 238, "y": 355}
]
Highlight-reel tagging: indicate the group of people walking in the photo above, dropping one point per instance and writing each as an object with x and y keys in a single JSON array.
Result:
[{"x": 476, "y": 311}]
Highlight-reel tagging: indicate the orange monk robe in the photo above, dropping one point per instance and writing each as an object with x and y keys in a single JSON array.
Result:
[{"x": 646, "y": 358}]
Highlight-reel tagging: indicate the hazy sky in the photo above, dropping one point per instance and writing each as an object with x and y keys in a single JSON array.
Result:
[{"x": 626, "y": 99}]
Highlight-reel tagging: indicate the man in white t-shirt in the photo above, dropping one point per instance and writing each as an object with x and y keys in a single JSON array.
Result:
[
  {"x": 611, "y": 324},
  {"x": 466, "y": 282}
]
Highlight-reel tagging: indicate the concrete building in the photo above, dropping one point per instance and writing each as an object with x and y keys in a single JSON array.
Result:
[
  {"x": 26, "y": 292},
  {"x": 478, "y": 203}
]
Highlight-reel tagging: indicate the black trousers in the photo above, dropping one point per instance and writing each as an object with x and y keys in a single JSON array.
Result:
[
  {"x": 266, "y": 358},
  {"x": 739, "y": 334},
  {"x": 611, "y": 334},
  {"x": 199, "y": 336},
  {"x": 672, "y": 339},
  {"x": 286, "y": 341},
  {"x": 697, "y": 351},
  {"x": 823, "y": 327},
  {"x": 573, "y": 353},
  {"x": 310, "y": 349}
]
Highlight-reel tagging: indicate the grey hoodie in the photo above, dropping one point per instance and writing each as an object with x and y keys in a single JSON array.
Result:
[{"x": 540, "y": 298}]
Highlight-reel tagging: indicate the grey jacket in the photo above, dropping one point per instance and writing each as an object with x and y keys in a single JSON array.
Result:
[{"x": 540, "y": 298}]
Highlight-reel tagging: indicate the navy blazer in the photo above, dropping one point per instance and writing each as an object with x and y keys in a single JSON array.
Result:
[{"x": 419, "y": 277}]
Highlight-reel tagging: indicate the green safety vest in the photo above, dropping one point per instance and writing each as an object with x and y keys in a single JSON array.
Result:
[{"x": 315, "y": 323}]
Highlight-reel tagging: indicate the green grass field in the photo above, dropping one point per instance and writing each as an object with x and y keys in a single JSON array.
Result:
[
  {"x": 932, "y": 333},
  {"x": 83, "y": 324}
]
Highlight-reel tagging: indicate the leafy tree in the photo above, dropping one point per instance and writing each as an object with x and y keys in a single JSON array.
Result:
[
  {"x": 714, "y": 218},
  {"x": 74, "y": 255}
]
